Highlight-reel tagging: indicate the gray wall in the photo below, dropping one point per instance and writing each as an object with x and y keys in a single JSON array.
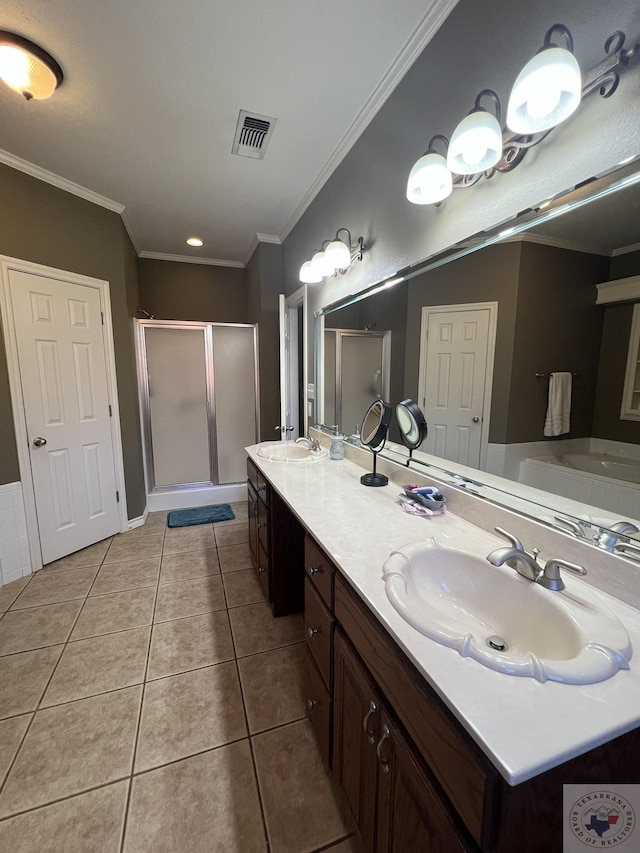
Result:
[
  {"x": 43, "y": 224},
  {"x": 180, "y": 291},
  {"x": 479, "y": 45}
]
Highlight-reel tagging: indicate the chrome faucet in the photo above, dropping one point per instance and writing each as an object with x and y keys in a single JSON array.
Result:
[
  {"x": 312, "y": 443},
  {"x": 574, "y": 526},
  {"x": 627, "y": 549},
  {"x": 610, "y": 537},
  {"x": 548, "y": 576}
]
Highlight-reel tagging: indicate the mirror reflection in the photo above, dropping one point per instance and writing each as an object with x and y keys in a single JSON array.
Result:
[{"x": 475, "y": 340}]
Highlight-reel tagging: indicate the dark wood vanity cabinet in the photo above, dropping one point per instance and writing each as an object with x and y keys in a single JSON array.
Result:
[{"x": 276, "y": 542}]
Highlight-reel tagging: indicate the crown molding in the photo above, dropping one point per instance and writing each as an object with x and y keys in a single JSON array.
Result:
[
  {"x": 185, "y": 259},
  {"x": 126, "y": 221},
  {"x": 255, "y": 242},
  {"x": 61, "y": 183},
  {"x": 429, "y": 25},
  {"x": 624, "y": 250},
  {"x": 556, "y": 242}
]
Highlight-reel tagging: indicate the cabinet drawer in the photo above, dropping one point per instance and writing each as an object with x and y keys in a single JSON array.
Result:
[
  {"x": 262, "y": 488},
  {"x": 263, "y": 525},
  {"x": 467, "y": 777},
  {"x": 318, "y": 624},
  {"x": 318, "y": 701},
  {"x": 320, "y": 570},
  {"x": 252, "y": 473}
]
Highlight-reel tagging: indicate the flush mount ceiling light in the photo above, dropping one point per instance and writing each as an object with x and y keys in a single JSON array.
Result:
[
  {"x": 27, "y": 68},
  {"x": 548, "y": 89},
  {"x": 194, "y": 241},
  {"x": 430, "y": 181},
  {"x": 334, "y": 258},
  {"x": 476, "y": 144}
]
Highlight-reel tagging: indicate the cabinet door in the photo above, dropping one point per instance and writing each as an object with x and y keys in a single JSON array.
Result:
[
  {"x": 411, "y": 813},
  {"x": 356, "y": 724},
  {"x": 252, "y": 510}
]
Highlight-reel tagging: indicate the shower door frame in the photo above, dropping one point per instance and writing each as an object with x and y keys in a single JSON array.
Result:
[{"x": 145, "y": 402}]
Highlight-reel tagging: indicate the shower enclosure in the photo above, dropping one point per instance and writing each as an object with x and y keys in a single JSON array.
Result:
[{"x": 198, "y": 399}]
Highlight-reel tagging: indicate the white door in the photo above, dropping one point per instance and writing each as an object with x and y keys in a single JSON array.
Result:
[
  {"x": 456, "y": 369},
  {"x": 63, "y": 376}
]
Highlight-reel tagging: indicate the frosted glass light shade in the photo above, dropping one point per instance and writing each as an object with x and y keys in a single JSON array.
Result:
[
  {"x": 308, "y": 275},
  {"x": 320, "y": 265},
  {"x": 548, "y": 90},
  {"x": 337, "y": 255},
  {"x": 27, "y": 68},
  {"x": 429, "y": 181},
  {"x": 476, "y": 144}
]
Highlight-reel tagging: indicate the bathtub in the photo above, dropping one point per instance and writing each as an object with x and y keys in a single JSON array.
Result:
[{"x": 599, "y": 479}]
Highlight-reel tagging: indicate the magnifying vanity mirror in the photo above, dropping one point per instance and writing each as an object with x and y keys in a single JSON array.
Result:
[
  {"x": 412, "y": 425},
  {"x": 554, "y": 290},
  {"x": 375, "y": 426}
]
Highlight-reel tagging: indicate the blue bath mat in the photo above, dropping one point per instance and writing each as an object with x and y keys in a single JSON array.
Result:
[{"x": 200, "y": 515}]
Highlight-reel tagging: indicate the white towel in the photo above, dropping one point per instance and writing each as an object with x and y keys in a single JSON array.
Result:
[{"x": 557, "y": 421}]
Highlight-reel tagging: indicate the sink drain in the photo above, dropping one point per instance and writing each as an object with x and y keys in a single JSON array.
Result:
[{"x": 497, "y": 643}]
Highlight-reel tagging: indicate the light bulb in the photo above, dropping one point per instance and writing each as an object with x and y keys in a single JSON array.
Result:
[
  {"x": 308, "y": 275},
  {"x": 476, "y": 144},
  {"x": 26, "y": 71},
  {"x": 337, "y": 255},
  {"x": 548, "y": 90},
  {"x": 320, "y": 265},
  {"x": 429, "y": 181}
]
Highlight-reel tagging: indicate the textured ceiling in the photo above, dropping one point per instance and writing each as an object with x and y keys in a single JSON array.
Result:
[{"x": 148, "y": 108}]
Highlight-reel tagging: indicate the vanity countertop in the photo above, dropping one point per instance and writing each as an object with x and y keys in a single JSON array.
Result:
[{"x": 523, "y": 726}]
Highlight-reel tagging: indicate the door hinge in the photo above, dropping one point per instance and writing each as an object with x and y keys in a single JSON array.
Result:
[
  {"x": 110, "y": 411},
  {"x": 102, "y": 318},
  {"x": 117, "y": 497}
]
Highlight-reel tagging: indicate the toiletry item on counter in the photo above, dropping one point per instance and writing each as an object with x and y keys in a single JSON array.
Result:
[
  {"x": 336, "y": 451},
  {"x": 354, "y": 438},
  {"x": 428, "y": 496},
  {"x": 414, "y": 507}
]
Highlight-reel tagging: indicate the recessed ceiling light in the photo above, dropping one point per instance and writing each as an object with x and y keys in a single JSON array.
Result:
[{"x": 194, "y": 241}]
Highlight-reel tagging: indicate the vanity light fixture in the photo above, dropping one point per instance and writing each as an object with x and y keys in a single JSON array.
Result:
[
  {"x": 430, "y": 180},
  {"x": 476, "y": 144},
  {"x": 333, "y": 258},
  {"x": 194, "y": 241},
  {"x": 27, "y": 68},
  {"x": 547, "y": 91}
]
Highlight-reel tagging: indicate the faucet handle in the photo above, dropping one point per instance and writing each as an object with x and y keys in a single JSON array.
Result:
[
  {"x": 517, "y": 544},
  {"x": 550, "y": 577}
]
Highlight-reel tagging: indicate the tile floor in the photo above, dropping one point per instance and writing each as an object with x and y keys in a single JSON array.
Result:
[{"x": 149, "y": 702}]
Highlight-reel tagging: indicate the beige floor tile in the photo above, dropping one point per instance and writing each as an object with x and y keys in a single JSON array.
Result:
[
  {"x": 299, "y": 806},
  {"x": 242, "y": 588},
  {"x": 234, "y": 558},
  {"x": 73, "y": 747},
  {"x": 189, "y": 598},
  {"x": 88, "y": 823},
  {"x": 195, "y": 538},
  {"x": 156, "y": 521},
  {"x": 239, "y": 510},
  {"x": 21, "y": 630},
  {"x": 91, "y": 556},
  {"x": 273, "y": 687},
  {"x": 11, "y": 734},
  {"x": 105, "y": 614},
  {"x": 255, "y": 629},
  {"x": 88, "y": 667},
  {"x": 48, "y": 588},
  {"x": 205, "y": 804},
  {"x": 191, "y": 643},
  {"x": 143, "y": 548},
  {"x": 349, "y": 845},
  {"x": 189, "y": 713},
  {"x": 131, "y": 574},
  {"x": 190, "y": 564},
  {"x": 23, "y": 678},
  {"x": 234, "y": 534},
  {"x": 11, "y": 591}
]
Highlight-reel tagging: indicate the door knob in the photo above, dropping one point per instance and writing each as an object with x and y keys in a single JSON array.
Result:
[
  {"x": 476, "y": 420},
  {"x": 39, "y": 442}
]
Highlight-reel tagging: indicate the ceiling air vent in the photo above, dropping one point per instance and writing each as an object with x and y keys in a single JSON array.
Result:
[{"x": 253, "y": 133}]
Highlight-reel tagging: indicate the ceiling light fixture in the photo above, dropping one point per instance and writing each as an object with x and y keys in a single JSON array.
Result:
[
  {"x": 547, "y": 91},
  {"x": 27, "y": 68},
  {"x": 194, "y": 241},
  {"x": 430, "y": 181},
  {"x": 333, "y": 258},
  {"x": 476, "y": 144}
]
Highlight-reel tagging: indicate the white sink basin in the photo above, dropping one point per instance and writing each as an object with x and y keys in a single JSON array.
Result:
[
  {"x": 289, "y": 451},
  {"x": 461, "y": 601}
]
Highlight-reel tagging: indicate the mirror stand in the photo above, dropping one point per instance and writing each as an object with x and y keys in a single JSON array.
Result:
[{"x": 372, "y": 478}]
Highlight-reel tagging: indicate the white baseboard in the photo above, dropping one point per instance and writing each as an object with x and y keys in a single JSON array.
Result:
[
  {"x": 188, "y": 498},
  {"x": 132, "y": 523}
]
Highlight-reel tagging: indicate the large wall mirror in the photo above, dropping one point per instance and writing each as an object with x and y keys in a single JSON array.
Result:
[{"x": 510, "y": 307}]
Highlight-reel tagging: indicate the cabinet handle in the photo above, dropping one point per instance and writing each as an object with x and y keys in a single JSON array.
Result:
[
  {"x": 260, "y": 570},
  {"x": 373, "y": 709},
  {"x": 263, "y": 524},
  {"x": 313, "y": 570},
  {"x": 312, "y": 632},
  {"x": 311, "y": 704},
  {"x": 384, "y": 762}
]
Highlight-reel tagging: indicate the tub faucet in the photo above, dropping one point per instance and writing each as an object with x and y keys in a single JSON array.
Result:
[
  {"x": 516, "y": 557},
  {"x": 610, "y": 537},
  {"x": 312, "y": 443}
]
